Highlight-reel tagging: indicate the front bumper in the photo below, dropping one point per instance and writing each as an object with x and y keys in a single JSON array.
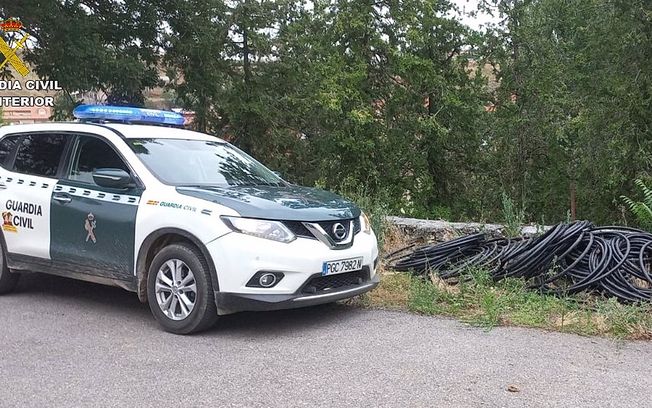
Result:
[
  {"x": 238, "y": 302},
  {"x": 238, "y": 257}
]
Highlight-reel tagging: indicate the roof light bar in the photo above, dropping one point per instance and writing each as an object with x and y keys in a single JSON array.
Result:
[{"x": 127, "y": 114}]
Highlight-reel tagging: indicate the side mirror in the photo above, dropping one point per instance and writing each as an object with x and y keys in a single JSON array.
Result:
[{"x": 112, "y": 178}]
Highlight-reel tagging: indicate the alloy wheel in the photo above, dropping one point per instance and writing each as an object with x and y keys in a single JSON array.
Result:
[{"x": 176, "y": 289}]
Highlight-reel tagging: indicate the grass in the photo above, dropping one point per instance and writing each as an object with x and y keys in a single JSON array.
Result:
[{"x": 480, "y": 301}]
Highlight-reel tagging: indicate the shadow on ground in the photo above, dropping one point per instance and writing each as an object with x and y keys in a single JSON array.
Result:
[{"x": 118, "y": 303}]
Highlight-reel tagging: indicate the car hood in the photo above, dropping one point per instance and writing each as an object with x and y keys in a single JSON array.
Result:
[{"x": 290, "y": 203}]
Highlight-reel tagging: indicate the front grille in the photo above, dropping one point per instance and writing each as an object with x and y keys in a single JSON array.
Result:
[
  {"x": 298, "y": 229},
  {"x": 333, "y": 282}
]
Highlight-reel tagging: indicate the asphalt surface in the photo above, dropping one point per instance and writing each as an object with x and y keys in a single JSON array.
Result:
[{"x": 69, "y": 343}]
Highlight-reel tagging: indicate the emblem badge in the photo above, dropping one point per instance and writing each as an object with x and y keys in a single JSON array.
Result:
[
  {"x": 89, "y": 225},
  {"x": 7, "y": 222},
  {"x": 339, "y": 231}
]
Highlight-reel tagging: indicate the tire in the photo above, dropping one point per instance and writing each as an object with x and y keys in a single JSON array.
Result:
[
  {"x": 189, "y": 266},
  {"x": 8, "y": 280}
]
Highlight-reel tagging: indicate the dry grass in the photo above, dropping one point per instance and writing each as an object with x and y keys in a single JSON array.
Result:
[
  {"x": 443, "y": 286},
  {"x": 392, "y": 293},
  {"x": 394, "y": 288}
]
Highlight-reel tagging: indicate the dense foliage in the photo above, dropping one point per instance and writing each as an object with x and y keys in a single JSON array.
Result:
[{"x": 396, "y": 99}]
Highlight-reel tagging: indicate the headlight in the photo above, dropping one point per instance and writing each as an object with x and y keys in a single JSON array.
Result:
[
  {"x": 365, "y": 223},
  {"x": 273, "y": 230}
]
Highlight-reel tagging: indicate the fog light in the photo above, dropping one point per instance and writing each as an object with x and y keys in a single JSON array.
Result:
[{"x": 267, "y": 280}]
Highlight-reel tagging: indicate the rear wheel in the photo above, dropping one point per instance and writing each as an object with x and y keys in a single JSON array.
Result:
[
  {"x": 8, "y": 280},
  {"x": 179, "y": 290}
]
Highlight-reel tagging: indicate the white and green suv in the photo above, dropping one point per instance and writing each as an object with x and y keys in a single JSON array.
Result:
[{"x": 193, "y": 225}]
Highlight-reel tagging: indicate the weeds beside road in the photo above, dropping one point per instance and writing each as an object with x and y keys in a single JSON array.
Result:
[
  {"x": 480, "y": 301},
  {"x": 485, "y": 303}
]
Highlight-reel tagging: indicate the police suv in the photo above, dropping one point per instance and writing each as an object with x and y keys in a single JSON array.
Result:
[{"x": 196, "y": 227}]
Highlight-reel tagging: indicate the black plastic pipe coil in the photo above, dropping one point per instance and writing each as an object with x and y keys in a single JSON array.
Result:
[{"x": 568, "y": 258}]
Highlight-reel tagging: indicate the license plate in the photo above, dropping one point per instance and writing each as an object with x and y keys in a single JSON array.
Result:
[{"x": 341, "y": 266}]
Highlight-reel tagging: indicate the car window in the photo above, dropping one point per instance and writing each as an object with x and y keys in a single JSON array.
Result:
[
  {"x": 91, "y": 153},
  {"x": 40, "y": 154},
  {"x": 7, "y": 146}
]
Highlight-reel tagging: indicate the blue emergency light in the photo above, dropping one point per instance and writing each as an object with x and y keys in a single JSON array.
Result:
[{"x": 127, "y": 114}]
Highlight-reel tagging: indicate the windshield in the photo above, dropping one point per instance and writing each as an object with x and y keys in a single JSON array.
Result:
[{"x": 198, "y": 162}]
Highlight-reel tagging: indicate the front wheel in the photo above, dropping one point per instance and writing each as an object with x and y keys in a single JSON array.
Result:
[
  {"x": 8, "y": 280},
  {"x": 179, "y": 290}
]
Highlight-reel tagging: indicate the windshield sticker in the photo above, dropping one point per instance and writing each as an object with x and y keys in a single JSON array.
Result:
[{"x": 89, "y": 225}]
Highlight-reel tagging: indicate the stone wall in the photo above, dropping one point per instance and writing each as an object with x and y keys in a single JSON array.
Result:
[{"x": 439, "y": 230}]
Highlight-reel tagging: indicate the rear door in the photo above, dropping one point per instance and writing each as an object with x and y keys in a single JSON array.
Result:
[
  {"x": 93, "y": 227},
  {"x": 30, "y": 170}
]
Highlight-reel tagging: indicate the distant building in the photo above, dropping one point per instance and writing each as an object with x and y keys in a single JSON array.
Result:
[
  {"x": 155, "y": 98},
  {"x": 13, "y": 115},
  {"x": 24, "y": 115}
]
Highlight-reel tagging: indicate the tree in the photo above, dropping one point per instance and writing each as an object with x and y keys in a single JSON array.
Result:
[
  {"x": 394, "y": 103},
  {"x": 569, "y": 130},
  {"x": 386, "y": 96},
  {"x": 92, "y": 46},
  {"x": 194, "y": 57}
]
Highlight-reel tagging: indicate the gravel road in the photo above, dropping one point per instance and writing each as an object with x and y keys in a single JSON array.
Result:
[{"x": 67, "y": 343}]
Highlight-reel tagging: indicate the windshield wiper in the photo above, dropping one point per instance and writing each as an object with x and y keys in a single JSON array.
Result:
[{"x": 199, "y": 185}]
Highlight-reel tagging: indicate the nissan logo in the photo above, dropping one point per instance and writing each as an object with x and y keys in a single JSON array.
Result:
[{"x": 339, "y": 231}]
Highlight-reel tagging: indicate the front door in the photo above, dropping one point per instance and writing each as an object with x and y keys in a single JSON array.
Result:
[{"x": 93, "y": 227}]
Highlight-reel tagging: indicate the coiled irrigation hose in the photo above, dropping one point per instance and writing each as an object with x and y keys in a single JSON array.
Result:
[{"x": 568, "y": 258}]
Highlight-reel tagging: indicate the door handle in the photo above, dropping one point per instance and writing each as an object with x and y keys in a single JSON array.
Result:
[
  {"x": 3, "y": 186},
  {"x": 62, "y": 198}
]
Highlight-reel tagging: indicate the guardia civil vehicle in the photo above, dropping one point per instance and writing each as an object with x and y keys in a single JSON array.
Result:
[{"x": 194, "y": 226}]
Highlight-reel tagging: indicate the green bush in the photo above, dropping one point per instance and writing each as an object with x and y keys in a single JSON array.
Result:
[
  {"x": 374, "y": 207},
  {"x": 513, "y": 216},
  {"x": 642, "y": 210}
]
